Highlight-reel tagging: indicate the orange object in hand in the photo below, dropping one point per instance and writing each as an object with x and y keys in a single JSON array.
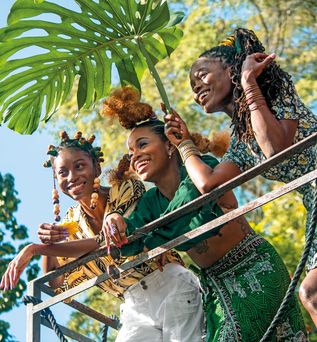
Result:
[{"x": 72, "y": 227}]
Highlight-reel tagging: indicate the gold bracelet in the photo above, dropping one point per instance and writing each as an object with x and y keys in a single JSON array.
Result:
[
  {"x": 186, "y": 149},
  {"x": 257, "y": 105}
]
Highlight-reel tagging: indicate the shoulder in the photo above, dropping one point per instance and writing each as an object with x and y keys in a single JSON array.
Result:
[
  {"x": 127, "y": 189},
  {"x": 210, "y": 160},
  {"x": 240, "y": 154},
  {"x": 151, "y": 193}
]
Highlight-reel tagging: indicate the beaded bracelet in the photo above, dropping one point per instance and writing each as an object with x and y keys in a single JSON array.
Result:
[{"x": 186, "y": 149}]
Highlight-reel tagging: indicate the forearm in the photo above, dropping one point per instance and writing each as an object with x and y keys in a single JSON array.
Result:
[
  {"x": 206, "y": 177},
  {"x": 201, "y": 174},
  {"x": 70, "y": 249},
  {"x": 50, "y": 264},
  {"x": 270, "y": 134}
]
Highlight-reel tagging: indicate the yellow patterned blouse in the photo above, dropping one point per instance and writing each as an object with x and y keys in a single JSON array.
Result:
[{"x": 123, "y": 199}]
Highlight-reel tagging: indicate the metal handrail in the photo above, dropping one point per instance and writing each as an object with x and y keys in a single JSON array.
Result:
[{"x": 189, "y": 207}]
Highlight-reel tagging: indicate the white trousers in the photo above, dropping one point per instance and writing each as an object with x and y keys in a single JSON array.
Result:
[{"x": 163, "y": 307}]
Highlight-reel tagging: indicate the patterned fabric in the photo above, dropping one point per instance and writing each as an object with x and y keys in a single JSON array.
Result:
[
  {"x": 247, "y": 156},
  {"x": 243, "y": 291},
  {"x": 123, "y": 198}
]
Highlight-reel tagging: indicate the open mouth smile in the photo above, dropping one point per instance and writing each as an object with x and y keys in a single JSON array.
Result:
[
  {"x": 202, "y": 96},
  {"x": 76, "y": 187},
  {"x": 140, "y": 165}
]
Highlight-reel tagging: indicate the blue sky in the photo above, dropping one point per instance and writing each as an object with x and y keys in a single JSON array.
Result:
[{"x": 23, "y": 156}]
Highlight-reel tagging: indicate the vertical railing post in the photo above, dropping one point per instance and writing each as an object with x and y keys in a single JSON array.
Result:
[{"x": 33, "y": 321}]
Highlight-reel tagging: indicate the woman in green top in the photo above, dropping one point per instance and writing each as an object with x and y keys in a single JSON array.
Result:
[{"x": 244, "y": 278}]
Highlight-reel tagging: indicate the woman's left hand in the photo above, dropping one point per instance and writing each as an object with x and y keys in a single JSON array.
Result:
[
  {"x": 254, "y": 65},
  {"x": 12, "y": 275}
]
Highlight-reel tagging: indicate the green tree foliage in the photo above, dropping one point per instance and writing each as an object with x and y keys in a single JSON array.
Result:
[
  {"x": 101, "y": 302},
  {"x": 11, "y": 231}
]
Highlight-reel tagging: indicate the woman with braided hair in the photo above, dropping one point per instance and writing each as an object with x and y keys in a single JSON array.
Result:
[
  {"x": 240, "y": 79},
  {"x": 243, "y": 277},
  {"x": 76, "y": 166}
]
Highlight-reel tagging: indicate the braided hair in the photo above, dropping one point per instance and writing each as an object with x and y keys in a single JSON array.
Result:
[
  {"x": 77, "y": 143},
  {"x": 273, "y": 81},
  {"x": 124, "y": 103}
]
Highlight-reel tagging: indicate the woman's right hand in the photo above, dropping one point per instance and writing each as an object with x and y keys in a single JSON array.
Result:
[
  {"x": 175, "y": 128},
  {"x": 15, "y": 268},
  {"x": 114, "y": 228},
  {"x": 51, "y": 233},
  {"x": 253, "y": 67}
]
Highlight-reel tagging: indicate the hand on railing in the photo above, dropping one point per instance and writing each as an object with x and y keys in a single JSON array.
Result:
[
  {"x": 15, "y": 268},
  {"x": 160, "y": 260},
  {"x": 114, "y": 229}
]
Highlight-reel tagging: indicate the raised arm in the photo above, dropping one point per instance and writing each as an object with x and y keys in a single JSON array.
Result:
[
  {"x": 271, "y": 134},
  {"x": 203, "y": 176}
]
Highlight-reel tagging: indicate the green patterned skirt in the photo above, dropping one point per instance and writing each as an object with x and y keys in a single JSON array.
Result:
[{"x": 243, "y": 291}]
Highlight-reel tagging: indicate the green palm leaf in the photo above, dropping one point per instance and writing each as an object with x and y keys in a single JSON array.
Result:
[{"x": 87, "y": 43}]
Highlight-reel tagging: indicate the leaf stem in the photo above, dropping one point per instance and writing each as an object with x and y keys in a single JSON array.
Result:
[{"x": 154, "y": 73}]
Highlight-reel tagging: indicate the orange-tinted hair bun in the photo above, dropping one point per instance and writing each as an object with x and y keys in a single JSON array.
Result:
[{"x": 125, "y": 104}]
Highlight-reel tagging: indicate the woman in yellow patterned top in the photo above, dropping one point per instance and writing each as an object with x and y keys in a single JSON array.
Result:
[{"x": 76, "y": 165}]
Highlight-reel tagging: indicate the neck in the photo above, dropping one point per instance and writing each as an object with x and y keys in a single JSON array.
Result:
[
  {"x": 228, "y": 104},
  {"x": 169, "y": 182},
  {"x": 228, "y": 109}
]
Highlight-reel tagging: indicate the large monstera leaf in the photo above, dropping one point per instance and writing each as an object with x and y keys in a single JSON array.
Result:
[{"x": 89, "y": 43}]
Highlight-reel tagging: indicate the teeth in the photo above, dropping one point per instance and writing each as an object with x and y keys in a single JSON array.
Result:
[
  {"x": 203, "y": 94},
  {"x": 142, "y": 163},
  {"x": 74, "y": 186}
]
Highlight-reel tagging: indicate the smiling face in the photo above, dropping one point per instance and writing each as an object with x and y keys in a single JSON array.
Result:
[
  {"x": 149, "y": 154},
  {"x": 75, "y": 173},
  {"x": 211, "y": 84}
]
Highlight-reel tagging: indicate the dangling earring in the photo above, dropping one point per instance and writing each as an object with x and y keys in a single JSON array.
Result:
[
  {"x": 170, "y": 154},
  {"x": 95, "y": 195},
  {"x": 55, "y": 198}
]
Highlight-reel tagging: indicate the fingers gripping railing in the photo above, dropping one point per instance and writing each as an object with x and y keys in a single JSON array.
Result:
[{"x": 194, "y": 205}]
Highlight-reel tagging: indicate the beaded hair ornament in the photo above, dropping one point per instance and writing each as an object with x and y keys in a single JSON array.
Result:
[{"x": 78, "y": 142}]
